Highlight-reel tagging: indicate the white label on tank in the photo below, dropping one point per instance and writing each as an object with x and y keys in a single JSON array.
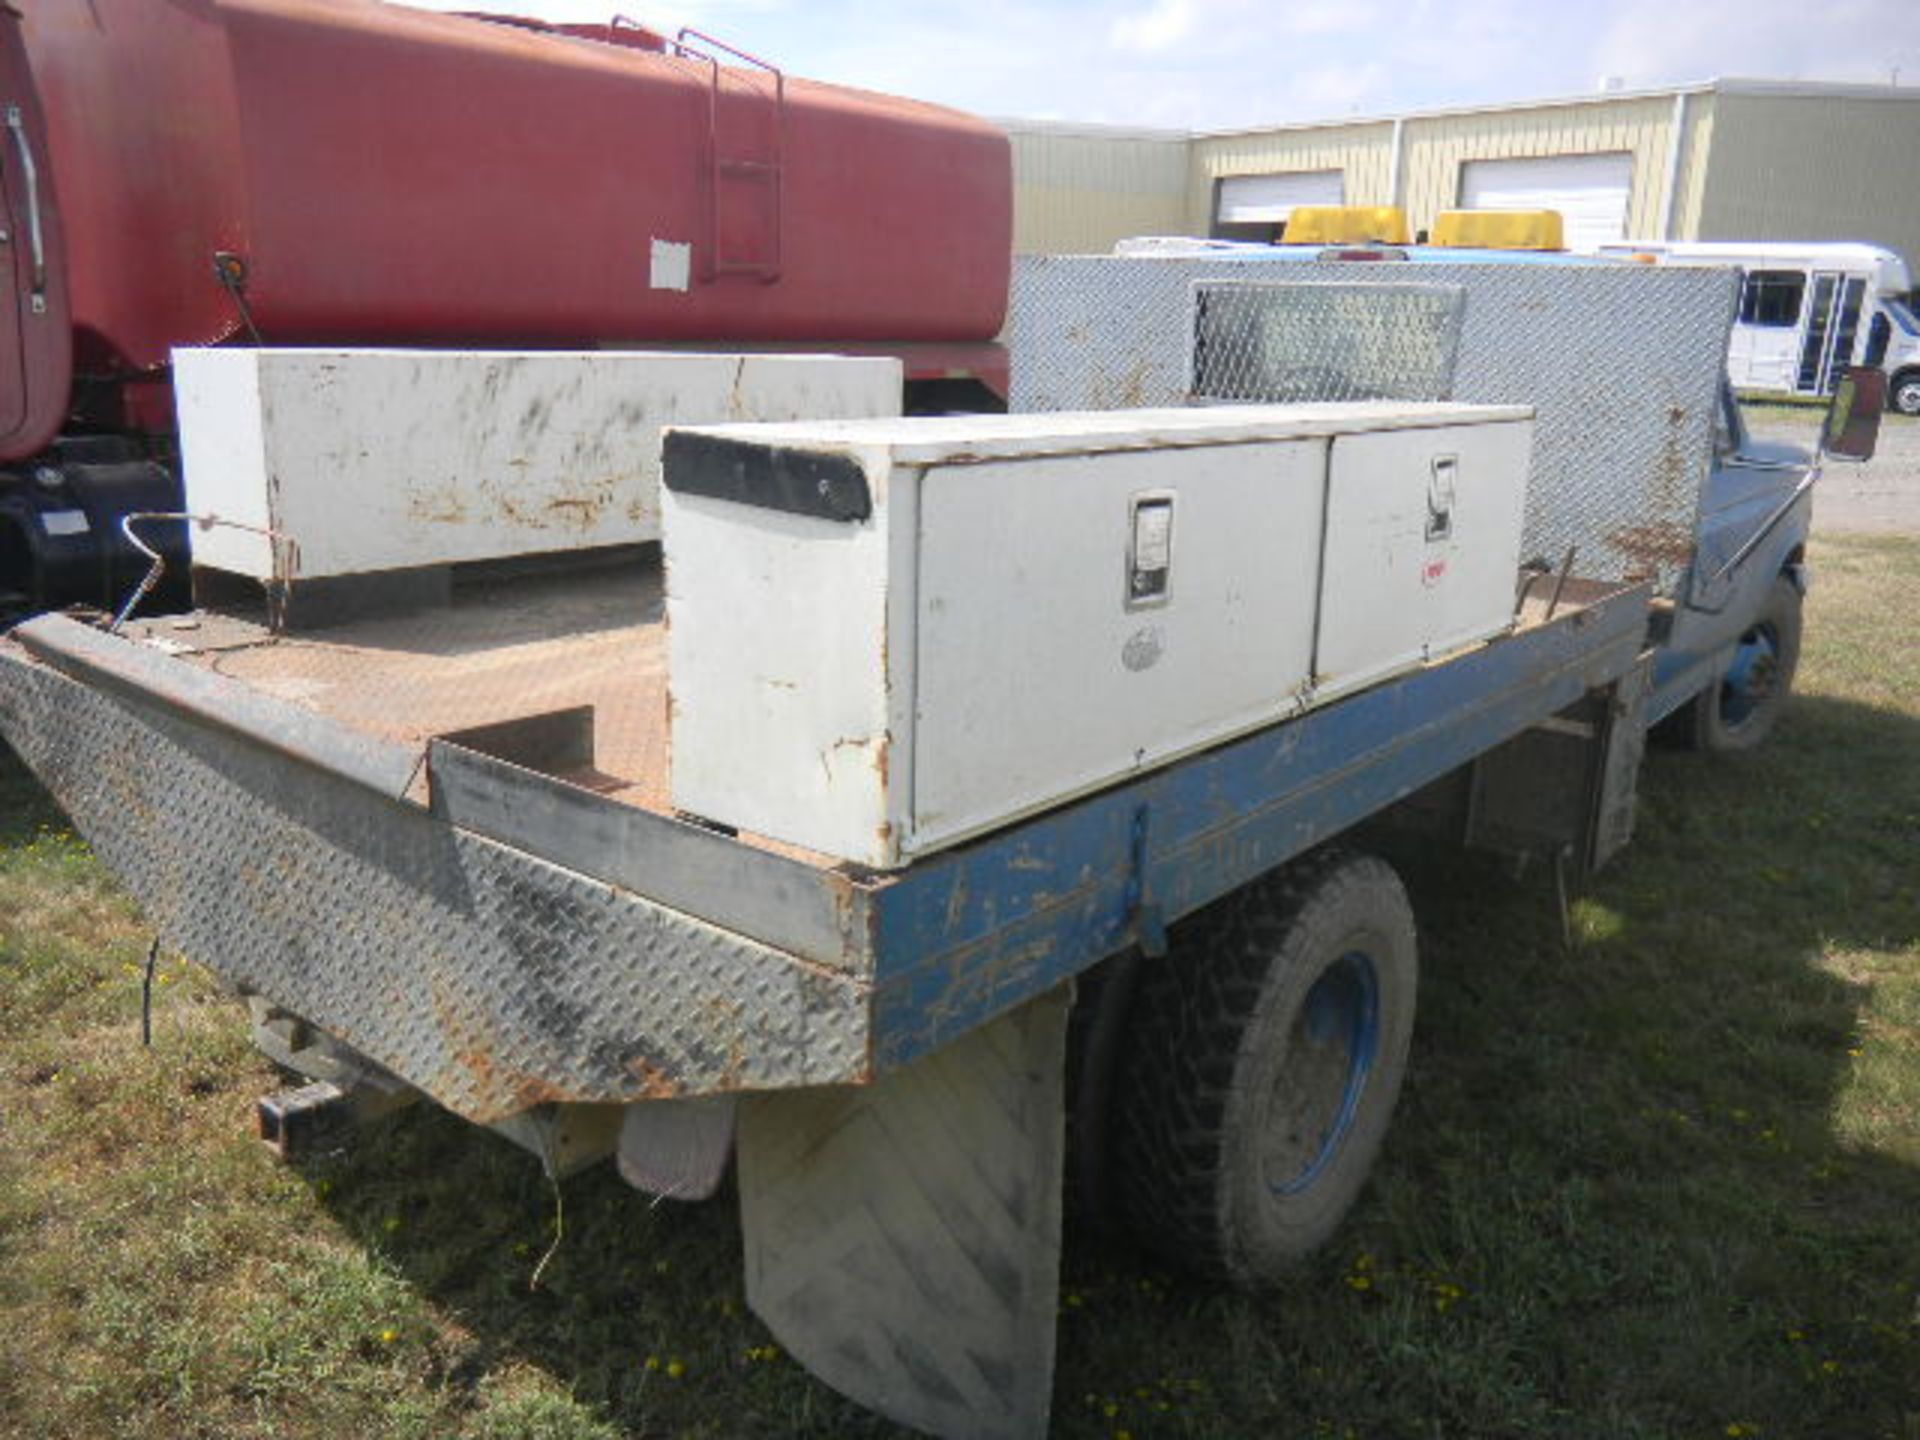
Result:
[
  {"x": 65, "y": 522},
  {"x": 672, "y": 265}
]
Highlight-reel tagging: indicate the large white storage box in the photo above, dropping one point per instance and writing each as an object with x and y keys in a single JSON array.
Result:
[
  {"x": 369, "y": 460},
  {"x": 887, "y": 636}
]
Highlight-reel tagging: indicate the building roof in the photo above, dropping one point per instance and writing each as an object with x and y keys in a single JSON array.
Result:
[{"x": 1723, "y": 85}]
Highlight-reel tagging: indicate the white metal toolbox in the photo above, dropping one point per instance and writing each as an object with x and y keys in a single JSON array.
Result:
[
  {"x": 372, "y": 460},
  {"x": 887, "y": 636},
  {"x": 1423, "y": 541}
]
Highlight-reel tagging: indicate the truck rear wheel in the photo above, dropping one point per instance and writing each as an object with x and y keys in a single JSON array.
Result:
[
  {"x": 1266, "y": 1054},
  {"x": 1904, "y": 394},
  {"x": 1742, "y": 709}
]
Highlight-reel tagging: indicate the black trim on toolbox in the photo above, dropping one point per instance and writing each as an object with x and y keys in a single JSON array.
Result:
[{"x": 801, "y": 482}]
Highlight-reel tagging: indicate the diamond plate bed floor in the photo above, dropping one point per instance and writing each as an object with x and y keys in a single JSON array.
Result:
[{"x": 503, "y": 650}]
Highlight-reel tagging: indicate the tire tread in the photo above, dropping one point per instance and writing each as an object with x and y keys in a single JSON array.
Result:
[{"x": 1189, "y": 1021}]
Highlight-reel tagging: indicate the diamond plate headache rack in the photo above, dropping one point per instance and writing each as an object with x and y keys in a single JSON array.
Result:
[{"x": 1621, "y": 363}]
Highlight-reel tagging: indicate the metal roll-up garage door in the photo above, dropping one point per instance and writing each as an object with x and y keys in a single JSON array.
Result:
[
  {"x": 1589, "y": 191},
  {"x": 1251, "y": 207}
]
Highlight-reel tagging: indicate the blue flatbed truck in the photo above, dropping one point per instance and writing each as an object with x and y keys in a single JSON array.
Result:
[{"x": 479, "y": 913}]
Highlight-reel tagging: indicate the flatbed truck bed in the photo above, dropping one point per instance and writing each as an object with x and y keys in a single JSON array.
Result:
[
  {"x": 437, "y": 852},
  {"x": 397, "y": 712}
]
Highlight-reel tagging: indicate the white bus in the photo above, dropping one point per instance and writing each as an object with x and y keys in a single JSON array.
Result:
[{"x": 1807, "y": 311}]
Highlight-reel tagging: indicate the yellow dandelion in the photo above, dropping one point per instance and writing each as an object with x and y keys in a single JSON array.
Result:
[
  {"x": 676, "y": 1369},
  {"x": 653, "y": 1362},
  {"x": 389, "y": 1335}
]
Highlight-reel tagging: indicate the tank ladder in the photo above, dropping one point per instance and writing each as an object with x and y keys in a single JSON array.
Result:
[{"x": 746, "y": 132}]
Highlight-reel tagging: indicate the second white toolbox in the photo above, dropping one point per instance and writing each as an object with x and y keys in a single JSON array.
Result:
[{"x": 888, "y": 636}]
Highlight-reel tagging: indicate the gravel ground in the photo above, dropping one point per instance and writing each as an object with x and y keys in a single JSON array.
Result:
[{"x": 1880, "y": 497}]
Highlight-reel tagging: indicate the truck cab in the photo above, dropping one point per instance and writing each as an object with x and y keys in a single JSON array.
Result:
[
  {"x": 1725, "y": 633},
  {"x": 1732, "y": 638}
]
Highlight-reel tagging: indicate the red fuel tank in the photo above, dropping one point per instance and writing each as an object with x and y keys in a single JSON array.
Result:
[{"x": 385, "y": 175}]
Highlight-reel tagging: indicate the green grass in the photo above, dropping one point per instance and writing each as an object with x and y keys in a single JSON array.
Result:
[
  {"x": 1667, "y": 1184},
  {"x": 1807, "y": 411}
]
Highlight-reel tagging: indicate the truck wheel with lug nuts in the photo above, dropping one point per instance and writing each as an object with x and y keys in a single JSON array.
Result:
[
  {"x": 1904, "y": 394},
  {"x": 1266, "y": 1054},
  {"x": 1741, "y": 711}
]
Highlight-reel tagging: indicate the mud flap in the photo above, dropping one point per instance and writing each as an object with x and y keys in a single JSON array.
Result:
[{"x": 903, "y": 1240}]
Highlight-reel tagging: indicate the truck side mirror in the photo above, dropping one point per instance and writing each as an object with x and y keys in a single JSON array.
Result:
[{"x": 1853, "y": 420}]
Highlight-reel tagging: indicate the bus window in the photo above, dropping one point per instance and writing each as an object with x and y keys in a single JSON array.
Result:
[
  {"x": 1772, "y": 298},
  {"x": 1879, "y": 333}
]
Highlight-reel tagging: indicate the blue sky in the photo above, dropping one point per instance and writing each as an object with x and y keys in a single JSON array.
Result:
[{"x": 1214, "y": 64}]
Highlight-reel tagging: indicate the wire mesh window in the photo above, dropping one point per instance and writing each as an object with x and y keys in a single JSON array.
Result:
[{"x": 1317, "y": 341}]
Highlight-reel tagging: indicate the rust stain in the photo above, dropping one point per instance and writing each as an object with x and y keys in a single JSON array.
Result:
[
  {"x": 441, "y": 506},
  {"x": 1662, "y": 543},
  {"x": 506, "y": 1091},
  {"x": 1672, "y": 472},
  {"x": 1133, "y": 387},
  {"x": 957, "y": 901},
  {"x": 655, "y": 1083}
]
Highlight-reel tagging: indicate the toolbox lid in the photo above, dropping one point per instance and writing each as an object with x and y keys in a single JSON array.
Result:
[{"x": 973, "y": 439}]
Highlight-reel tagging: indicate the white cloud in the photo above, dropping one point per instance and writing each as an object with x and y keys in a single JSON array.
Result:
[
  {"x": 1335, "y": 90},
  {"x": 1213, "y": 64},
  {"x": 1652, "y": 42},
  {"x": 1163, "y": 24}
]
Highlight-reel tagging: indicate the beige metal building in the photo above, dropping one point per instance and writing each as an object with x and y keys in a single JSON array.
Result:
[{"x": 1724, "y": 160}]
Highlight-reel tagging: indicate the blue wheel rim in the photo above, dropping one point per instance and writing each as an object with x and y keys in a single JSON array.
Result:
[
  {"x": 1332, "y": 1047},
  {"x": 1751, "y": 680}
]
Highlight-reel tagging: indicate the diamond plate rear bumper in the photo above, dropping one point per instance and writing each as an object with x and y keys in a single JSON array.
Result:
[{"x": 491, "y": 979}]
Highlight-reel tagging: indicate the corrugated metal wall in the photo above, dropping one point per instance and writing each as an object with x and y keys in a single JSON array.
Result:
[
  {"x": 1076, "y": 191},
  {"x": 1752, "y": 166},
  {"x": 1363, "y": 152},
  {"x": 1436, "y": 148},
  {"x": 1789, "y": 167},
  {"x": 1702, "y": 118}
]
